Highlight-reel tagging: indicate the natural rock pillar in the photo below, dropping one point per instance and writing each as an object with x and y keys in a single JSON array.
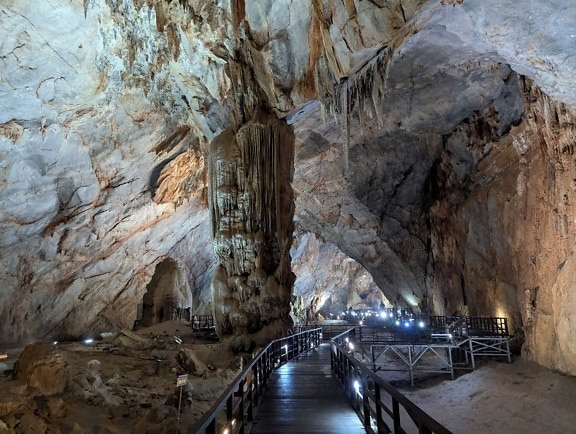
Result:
[{"x": 252, "y": 206}]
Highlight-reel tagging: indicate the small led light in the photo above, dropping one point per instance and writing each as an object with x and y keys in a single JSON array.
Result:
[
  {"x": 421, "y": 324},
  {"x": 356, "y": 386},
  {"x": 450, "y": 336},
  {"x": 384, "y": 315},
  {"x": 406, "y": 324},
  {"x": 346, "y": 339},
  {"x": 55, "y": 343},
  {"x": 88, "y": 341},
  {"x": 361, "y": 323},
  {"x": 351, "y": 346},
  {"x": 397, "y": 322}
]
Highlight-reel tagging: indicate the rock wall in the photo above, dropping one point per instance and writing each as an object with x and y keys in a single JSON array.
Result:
[
  {"x": 101, "y": 168},
  {"x": 328, "y": 282},
  {"x": 503, "y": 240}
]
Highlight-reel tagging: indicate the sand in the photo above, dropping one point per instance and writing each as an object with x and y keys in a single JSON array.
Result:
[{"x": 501, "y": 398}]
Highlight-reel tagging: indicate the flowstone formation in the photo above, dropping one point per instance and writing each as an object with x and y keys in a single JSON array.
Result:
[{"x": 251, "y": 203}]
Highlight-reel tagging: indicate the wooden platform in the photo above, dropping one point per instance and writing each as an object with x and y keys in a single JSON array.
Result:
[{"x": 303, "y": 397}]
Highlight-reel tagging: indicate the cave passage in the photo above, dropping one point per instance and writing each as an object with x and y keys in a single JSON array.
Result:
[{"x": 164, "y": 299}]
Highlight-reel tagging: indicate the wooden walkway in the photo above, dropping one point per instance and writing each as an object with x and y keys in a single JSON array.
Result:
[{"x": 303, "y": 397}]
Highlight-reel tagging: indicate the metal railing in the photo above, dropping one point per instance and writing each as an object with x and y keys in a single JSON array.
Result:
[
  {"x": 234, "y": 410},
  {"x": 379, "y": 405},
  {"x": 202, "y": 322}
]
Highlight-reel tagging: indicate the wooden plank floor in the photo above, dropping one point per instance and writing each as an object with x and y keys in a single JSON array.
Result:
[{"x": 303, "y": 397}]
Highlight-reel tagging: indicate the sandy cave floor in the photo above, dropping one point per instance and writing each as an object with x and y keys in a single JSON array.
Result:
[{"x": 500, "y": 398}]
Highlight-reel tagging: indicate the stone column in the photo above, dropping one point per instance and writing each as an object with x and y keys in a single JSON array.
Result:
[{"x": 252, "y": 207}]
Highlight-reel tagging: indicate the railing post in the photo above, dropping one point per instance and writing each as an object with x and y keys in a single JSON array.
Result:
[
  {"x": 396, "y": 416},
  {"x": 332, "y": 357},
  {"x": 250, "y": 394},
  {"x": 229, "y": 409},
  {"x": 365, "y": 402},
  {"x": 378, "y": 399},
  {"x": 242, "y": 416},
  {"x": 256, "y": 380},
  {"x": 211, "y": 429}
]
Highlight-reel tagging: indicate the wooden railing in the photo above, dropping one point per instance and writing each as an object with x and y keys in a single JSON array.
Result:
[
  {"x": 234, "y": 411},
  {"x": 377, "y": 403}
]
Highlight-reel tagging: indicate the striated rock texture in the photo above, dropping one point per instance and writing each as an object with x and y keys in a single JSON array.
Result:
[{"x": 101, "y": 168}]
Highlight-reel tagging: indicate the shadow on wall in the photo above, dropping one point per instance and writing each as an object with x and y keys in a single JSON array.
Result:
[{"x": 167, "y": 296}]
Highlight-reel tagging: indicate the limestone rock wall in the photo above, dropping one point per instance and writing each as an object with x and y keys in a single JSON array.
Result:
[
  {"x": 328, "y": 282},
  {"x": 429, "y": 161},
  {"x": 101, "y": 168},
  {"x": 505, "y": 248}
]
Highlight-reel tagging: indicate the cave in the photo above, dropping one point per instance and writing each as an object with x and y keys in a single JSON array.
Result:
[
  {"x": 271, "y": 164},
  {"x": 165, "y": 298}
]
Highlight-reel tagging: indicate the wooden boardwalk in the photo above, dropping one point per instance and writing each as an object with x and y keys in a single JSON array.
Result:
[{"x": 303, "y": 397}]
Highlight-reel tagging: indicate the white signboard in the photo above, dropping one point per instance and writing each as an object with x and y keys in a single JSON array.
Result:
[{"x": 182, "y": 380}]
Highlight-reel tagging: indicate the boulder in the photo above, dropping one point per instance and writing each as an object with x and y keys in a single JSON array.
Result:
[
  {"x": 188, "y": 360},
  {"x": 42, "y": 366}
]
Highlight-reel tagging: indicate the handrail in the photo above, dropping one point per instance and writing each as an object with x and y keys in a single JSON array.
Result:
[
  {"x": 202, "y": 321},
  {"x": 248, "y": 387},
  {"x": 359, "y": 380}
]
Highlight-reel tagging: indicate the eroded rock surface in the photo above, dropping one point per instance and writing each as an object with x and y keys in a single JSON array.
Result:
[{"x": 328, "y": 282}]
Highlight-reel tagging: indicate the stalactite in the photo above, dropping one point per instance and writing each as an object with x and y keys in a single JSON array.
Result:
[{"x": 358, "y": 96}]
